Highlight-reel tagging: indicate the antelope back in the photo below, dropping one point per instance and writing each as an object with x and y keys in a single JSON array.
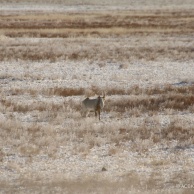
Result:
[{"x": 92, "y": 104}]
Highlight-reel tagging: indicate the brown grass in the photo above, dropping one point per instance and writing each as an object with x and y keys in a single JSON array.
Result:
[
  {"x": 151, "y": 100},
  {"x": 97, "y": 22},
  {"x": 34, "y": 106},
  {"x": 95, "y": 25},
  {"x": 37, "y": 52},
  {"x": 69, "y": 50},
  {"x": 57, "y": 91},
  {"x": 146, "y": 104},
  {"x": 65, "y": 91}
]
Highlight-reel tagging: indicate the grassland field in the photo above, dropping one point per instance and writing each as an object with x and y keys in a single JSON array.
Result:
[{"x": 53, "y": 54}]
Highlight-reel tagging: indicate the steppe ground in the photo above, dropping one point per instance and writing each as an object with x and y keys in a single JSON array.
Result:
[{"x": 55, "y": 53}]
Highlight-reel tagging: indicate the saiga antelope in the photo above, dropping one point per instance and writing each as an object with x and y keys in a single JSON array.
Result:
[{"x": 95, "y": 105}]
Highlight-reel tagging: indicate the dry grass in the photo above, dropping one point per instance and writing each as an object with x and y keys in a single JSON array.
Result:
[
  {"x": 160, "y": 21},
  {"x": 95, "y": 25},
  {"x": 144, "y": 142},
  {"x": 65, "y": 91},
  {"x": 33, "y": 140},
  {"x": 94, "y": 50},
  {"x": 153, "y": 104},
  {"x": 151, "y": 100}
]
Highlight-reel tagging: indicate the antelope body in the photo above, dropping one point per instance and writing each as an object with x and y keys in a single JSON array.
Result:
[{"x": 95, "y": 105}]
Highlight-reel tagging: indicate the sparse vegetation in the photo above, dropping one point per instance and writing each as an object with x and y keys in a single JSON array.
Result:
[{"x": 140, "y": 55}]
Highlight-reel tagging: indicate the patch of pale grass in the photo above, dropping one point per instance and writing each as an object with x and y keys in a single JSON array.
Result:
[
  {"x": 29, "y": 150},
  {"x": 3, "y": 37}
]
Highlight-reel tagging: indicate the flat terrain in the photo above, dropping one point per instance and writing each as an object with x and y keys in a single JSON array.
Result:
[{"x": 55, "y": 54}]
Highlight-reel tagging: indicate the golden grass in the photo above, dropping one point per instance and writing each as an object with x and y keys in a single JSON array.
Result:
[{"x": 94, "y": 24}]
